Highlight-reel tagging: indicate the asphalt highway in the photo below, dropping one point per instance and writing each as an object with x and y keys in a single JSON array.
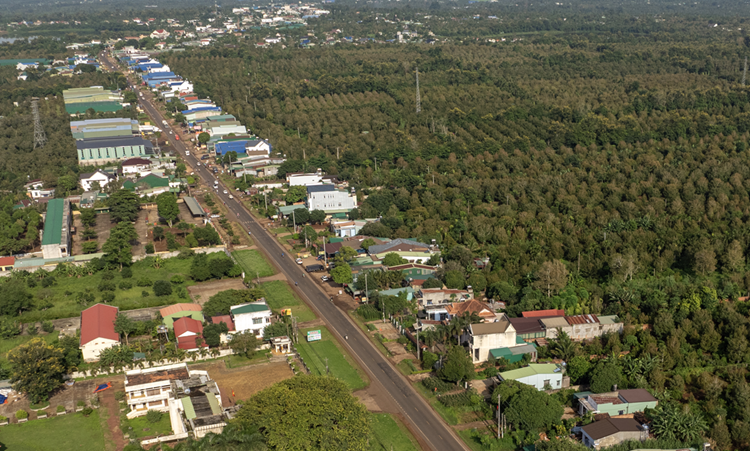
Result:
[{"x": 430, "y": 430}]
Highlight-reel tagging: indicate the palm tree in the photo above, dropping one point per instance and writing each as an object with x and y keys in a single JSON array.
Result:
[
  {"x": 156, "y": 262},
  {"x": 564, "y": 347}
]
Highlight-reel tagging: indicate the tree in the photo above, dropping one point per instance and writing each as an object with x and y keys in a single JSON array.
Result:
[
  {"x": 577, "y": 368},
  {"x": 606, "y": 375},
  {"x": 460, "y": 254},
  {"x": 734, "y": 258},
  {"x": 346, "y": 253},
  {"x": 158, "y": 233},
  {"x": 308, "y": 412},
  {"x": 367, "y": 243},
  {"x": 533, "y": 410},
  {"x": 317, "y": 216},
  {"x": 67, "y": 182},
  {"x": 212, "y": 333},
  {"x": 457, "y": 366},
  {"x": 204, "y": 137},
  {"x": 244, "y": 344},
  {"x": 117, "y": 249},
  {"x": 89, "y": 247},
  {"x": 37, "y": 368},
  {"x": 162, "y": 288},
  {"x": 705, "y": 261},
  {"x": 563, "y": 347},
  {"x": 671, "y": 422},
  {"x": 295, "y": 194},
  {"x": 124, "y": 326},
  {"x": 167, "y": 206},
  {"x": 15, "y": 298},
  {"x": 88, "y": 217},
  {"x": 342, "y": 273},
  {"x": 455, "y": 280},
  {"x": 123, "y": 206},
  {"x": 277, "y": 329},
  {"x": 309, "y": 234},
  {"x": 551, "y": 277},
  {"x": 206, "y": 235},
  {"x": 376, "y": 229},
  {"x": 393, "y": 259},
  {"x": 432, "y": 283},
  {"x": 232, "y": 438}
]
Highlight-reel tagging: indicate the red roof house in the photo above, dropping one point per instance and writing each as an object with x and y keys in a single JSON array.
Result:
[
  {"x": 186, "y": 330},
  {"x": 98, "y": 330},
  {"x": 226, "y": 319},
  {"x": 6, "y": 263}
]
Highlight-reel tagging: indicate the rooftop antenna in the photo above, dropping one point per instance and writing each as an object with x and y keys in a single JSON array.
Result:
[
  {"x": 744, "y": 73},
  {"x": 419, "y": 100},
  {"x": 40, "y": 138}
]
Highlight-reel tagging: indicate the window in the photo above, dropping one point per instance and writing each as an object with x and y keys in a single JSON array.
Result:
[
  {"x": 546, "y": 382},
  {"x": 621, "y": 412},
  {"x": 558, "y": 382},
  {"x": 257, "y": 320}
]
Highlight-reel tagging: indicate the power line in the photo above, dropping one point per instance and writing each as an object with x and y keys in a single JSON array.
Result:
[
  {"x": 419, "y": 99},
  {"x": 40, "y": 138}
]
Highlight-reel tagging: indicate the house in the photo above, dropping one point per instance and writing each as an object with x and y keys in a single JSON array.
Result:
[
  {"x": 345, "y": 228},
  {"x": 35, "y": 190},
  {"x": 487, "y": 336},
  {"x": 150, "y": 389},
  {"x": 56, "y": 233},
  {"x": 623, "y": 402},
  {"x": 529, "y": 329},
  {"x": 226, "y": 319},
  {"x": 198, "y": 399},
  {"x": 187, "y": 330},
  {"x": 150, "y": 185},
  {"x": 539, "y": 375},
  {"x": 87, "y": 180},
  {"x": 98, "y": 331},
  {"x": 302, "y": 179},
  {"x": 253, "y": 316},
  {"x": 329, "y": 199},
  {"x": 410, "y": 250},
  {"x": 612, "y": 431},
  {"x": 543, "y": 313},
  {"x": 136, "y": 165},
  {"x": 171, "y": 313},
  {"x": 471, "y": 306},
  {"x": 397, "y": 291},
  {"x": 414, "y": 269},
  {"x": 6, "y": 263},
  {"x": 159, "y": 34},
  {"x": 437, "y": 296}
]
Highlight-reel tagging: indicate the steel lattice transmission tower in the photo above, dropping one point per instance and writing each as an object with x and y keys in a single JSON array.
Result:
[
  {"x": 419, "y": 99},
  {"x": 40, "y": 138},
  {"x": 744, "y": 73}
]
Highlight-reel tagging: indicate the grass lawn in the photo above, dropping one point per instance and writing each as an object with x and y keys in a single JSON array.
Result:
[
  {"x": 68, "y": 432},
  {"x": 253, "y": 263},
  {"x": 10, "y": 343},
  {"x": 62, "y": 295},
  {"x": 163, "y": 427},
  {"x": 237, "y": 361},
  {"x": 280, "y": 296},
  {"x": 474, "y": 440},
  {"x": 339, "y": 366},
  {"x": 282, "y": 230},
  {"x": 390, "y": 434}
]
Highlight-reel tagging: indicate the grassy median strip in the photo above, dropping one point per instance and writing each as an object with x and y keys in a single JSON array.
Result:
[{"x": 388, "y": 434}]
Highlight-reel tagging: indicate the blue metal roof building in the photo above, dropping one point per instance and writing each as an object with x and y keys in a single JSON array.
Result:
[{"x": 230, "y": 146}]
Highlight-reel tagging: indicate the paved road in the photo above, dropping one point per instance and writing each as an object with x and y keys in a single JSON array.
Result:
[{"x": 423, "y": 421}]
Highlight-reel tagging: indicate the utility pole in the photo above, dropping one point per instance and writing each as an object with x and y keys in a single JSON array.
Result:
[
  {"x": 419, "y": 100},
  {"x": 416, "y": 328},
  {"x": 337, "y": 153},
  {"x": 326, "y": 359},
  {"x": 499, "y": 414},
  {"x": 294, "y": 221},
  {"x": 744, "y": 73}
]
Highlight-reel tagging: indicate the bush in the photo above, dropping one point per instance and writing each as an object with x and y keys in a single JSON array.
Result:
[
  {"x": 457, "y": 400},
  {"x": 31, "y": 329},
  {"x": 48, "y": 282},
  {"x": 162, "y": 288},
  {"x": 127, "y": 272},
  {"x": 150, "y": 248},
  {"x": 60, "y": 409},
  {"x": 182, "y": 292},
  {"x": 171, "y": 242},
  {"x": 431, "y": 383},
  {"x": 106, "y": 285},
  {"x": 3, "y": 419},
  {"x": 144, "y": 294},
  {"x": 177, "y": 279},
  {"x": 21, "y": 414},
  {"x": 153, "y": 416},
  {"x": 87, "y": 411},
  {"x": 108, "y": 275},
  {"x": 81, "y": 403},
  {"x": 90, "y": 247},
  {"x": 31, "y": 282},
  {"x": 48, "y": 327},
  {"x": 144, "y": 282},
  {"x": 191, "y": 241},
  {"x": 108, "y": 296},
  {"x": 125, "y": 285},
  {"x": 119, "y": 395},
  {"x": 368, "y": 312}
]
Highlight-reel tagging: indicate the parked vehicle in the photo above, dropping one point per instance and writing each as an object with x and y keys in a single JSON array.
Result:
[
  {"x": 231, "y": 197},
  {"x": 299, "y": 261},
  {"x": 324, "y": 278},
  {"x": 314, "y": 268},
  {"x": 204, "y": 157},
  {"x": 187, "y": 152}
]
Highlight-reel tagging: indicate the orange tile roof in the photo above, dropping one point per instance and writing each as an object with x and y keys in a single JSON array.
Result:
[
  {"x": 543, "y": 313},
  {"x": 472, "y": 306}
]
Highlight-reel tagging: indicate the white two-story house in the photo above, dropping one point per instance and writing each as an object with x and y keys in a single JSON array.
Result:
[
  {"x": 149, "y": 389},
  {"x": 253, "y": 316},
  {"x": 488, "y": 336},
  {"x": 102, "y": 178}
]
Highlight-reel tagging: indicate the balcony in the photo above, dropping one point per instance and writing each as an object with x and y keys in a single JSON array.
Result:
[{"x": 144, "y": 399}]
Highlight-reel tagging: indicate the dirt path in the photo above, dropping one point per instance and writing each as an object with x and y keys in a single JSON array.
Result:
[
  {"x": 274, "y": 277},
  {"x": 113, "y": 434},
  {"x": 474, "y": 424}
]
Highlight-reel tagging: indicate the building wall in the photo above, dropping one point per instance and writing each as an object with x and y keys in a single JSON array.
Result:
[
  {"x": 331, "y": 200},
  {"x": 616, "y": 327},
  {"x": 92, "y": 349},
  {"x": 614, "y": 439},
  {"x": 170, "y": 319},
  {"x": 584, "y": 331},
  {"x": 102, "y": 179},
  {"x": 480, "y": 345},
  {"x": 245, "y": 321},
  {"x": 538, "y": 380}
]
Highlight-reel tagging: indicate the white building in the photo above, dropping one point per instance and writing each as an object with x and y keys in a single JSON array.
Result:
[
  {"x": 253, "y": 316},
  {"x": 300, "y": 179},
  {"x": 538, "y": 375},
  {"x": 35, "y": 190},
  {"x": 329, "y": 199},
  {"x": 136, "y": 165},
  {"x": 487, "y": 336},
  {"x": 149, "y": 389},
  {"x": 100, "y": 177},
  {"x": 98, "y": 331}
]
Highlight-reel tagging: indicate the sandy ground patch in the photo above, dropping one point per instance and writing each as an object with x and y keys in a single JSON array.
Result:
[
  {"x": 245, "y": 381},
  {"x": 201, "y": 292},
  {"x": 386, "y": 329}
]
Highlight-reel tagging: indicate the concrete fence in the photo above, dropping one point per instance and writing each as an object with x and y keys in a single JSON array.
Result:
[{"x": 188, "y": 359}]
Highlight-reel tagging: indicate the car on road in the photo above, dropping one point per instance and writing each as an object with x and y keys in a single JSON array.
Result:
[
  {"x": 177, "y": 137},
  {"x": 324, "y": 278},
  {"x": 225, "y": 191},
  {"x": 170, "y": 132},
  {"x": 230, "y": 196},
  {"x": 187, "y": 152},
  {"x": 299, "y": 261}
]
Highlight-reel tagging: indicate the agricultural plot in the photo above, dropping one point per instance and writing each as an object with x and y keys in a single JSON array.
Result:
[{"x": 253, "y": 263}]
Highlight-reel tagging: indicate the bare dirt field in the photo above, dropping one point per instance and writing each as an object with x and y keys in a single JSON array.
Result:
[
  {"x": 102, "y": 227},
  {"x": 245, "y": 381},
  {"x": 201, "y": 292},
  {"x": 141, "y": 227},
  {"x": 386, "y": 329},
  {"x": 67, "y": 396}
]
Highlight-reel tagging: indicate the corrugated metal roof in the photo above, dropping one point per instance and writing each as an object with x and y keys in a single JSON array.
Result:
[
  {"x": 531, "y": 370},
  {"x": 194, "y": 206},
  {"x": 582, "y": 319},
  {"x": 115, "y": 141},
  {"x": 554, "y": 323},
  {"x": 248, "y": 308},
  {"x": 543, "y": 313},
  {"x": 53, "y": 222}
]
